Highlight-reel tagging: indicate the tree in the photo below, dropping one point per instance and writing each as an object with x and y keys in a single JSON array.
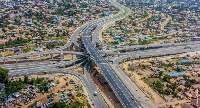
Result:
[
  {"x": 178, "y": 69},
  {"x": 3, "y": 75},
  {"x": 32, "y": 82},
  {"x": 20, "y": 80},
  {"x": 175, "y": 94},
  {"x": 58, "y": 105},
  {"x": 174, "y": 86},
  {"x": 26, "y": 79},
  {"x": 160, "y": 74},
  {"x": 167, "y": 78},
  {"x": 192, "y": 81},
  {"x": 4, "y": 30},
  {"x": 180, "y": 89},
  {"x": 167, "y": 91},
  {"x": 158, "y": 84},
  {"x": 161, "y": 91},
  {"x": 188, "y": 84}
]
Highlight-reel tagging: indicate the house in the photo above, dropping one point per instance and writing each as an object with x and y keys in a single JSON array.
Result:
[
  {"x": 181, "y": 81},
  {"x": 185, "y": 61},
  {"x": 37, "y": 49},
  {"x": 175, "y": 74},
  {"x": 187, "y": 105},
  {"x": 196, "y": 86},
  {"x": 187, "y": 94},
  {"x": 53, "y": 84},
  {"x": 28, "y": 86},
  {"x": 51, "y": 79},
  {"x": 159, "y": 70},
  {"x": 194, "y": 102}
]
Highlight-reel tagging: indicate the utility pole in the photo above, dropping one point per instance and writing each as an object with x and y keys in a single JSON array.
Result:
[{"x": 197, "y": 94}]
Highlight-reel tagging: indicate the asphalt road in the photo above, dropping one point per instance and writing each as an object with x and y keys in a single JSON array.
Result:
[
  {"x": 98, "y": 100},
  {"x": 123, "y": 94},
  {"x": 40, "y": 53}
]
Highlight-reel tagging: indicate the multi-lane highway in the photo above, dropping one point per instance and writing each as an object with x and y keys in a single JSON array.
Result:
[
  {"x": 98, "y": 100},
  {"x": 123, "y": 94},
  {"x": 41, "y": 53}
]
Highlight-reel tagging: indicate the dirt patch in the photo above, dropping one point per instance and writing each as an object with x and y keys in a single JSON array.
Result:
[{"x": 137, "y": 79}]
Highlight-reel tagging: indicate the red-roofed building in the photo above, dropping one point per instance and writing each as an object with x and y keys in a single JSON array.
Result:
[
  {"x": 76, "y": 4},
  {"x": 51, "y": 79}
]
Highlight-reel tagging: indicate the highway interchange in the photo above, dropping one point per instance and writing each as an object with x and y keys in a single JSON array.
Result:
[{"x": 122, "y": 86}]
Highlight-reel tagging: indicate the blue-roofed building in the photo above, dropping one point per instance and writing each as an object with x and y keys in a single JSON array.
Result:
[
  {"x": 112, "y": 31},
  {"x": 48, "y": 86},
  {"x": 185, "y": 61},
  {"x": 58, "y": 18},
  {"x": 174, "y": 74}
]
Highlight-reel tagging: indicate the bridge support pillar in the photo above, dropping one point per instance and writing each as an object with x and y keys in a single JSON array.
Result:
[
  {"x": 52, "y": 56},
  {"x": 4, "y": 61},
  {"x": 62, "y": 56},
  {"x": 72, "y": 56},
  {"x": 40, "y": 57},
  {"x": 16, "y": 61},
  {"x": 28, "y": 59},
  {"x": 79, "y": 49}
]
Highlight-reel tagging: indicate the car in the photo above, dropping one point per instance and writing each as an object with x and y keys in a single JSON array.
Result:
[
  {"x": 9, "y": 56},
  {"x": 95, "y": 93},
  {"x": 31, "y": 53},
  {"x": 132, "y": 98}
]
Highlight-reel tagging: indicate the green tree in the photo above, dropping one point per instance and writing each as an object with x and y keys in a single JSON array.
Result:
[
  {"x": 4, "y": 30},
  {"x": 158, "y": 84},
  {"x": 193, "y": 81},
  {"x": 3, "y": 75},
  {"x": 178, "y": 69},
  {"x": 167, "y": 78},
  {"x": 58, "y": 105},
  {"x": 26, "y": 79},
  {"x": 188, "y": 84},
  {"x": 32, "y": 82},
  {"x": 174, "y": 86},
  {"x": 160, "y": 74}
]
